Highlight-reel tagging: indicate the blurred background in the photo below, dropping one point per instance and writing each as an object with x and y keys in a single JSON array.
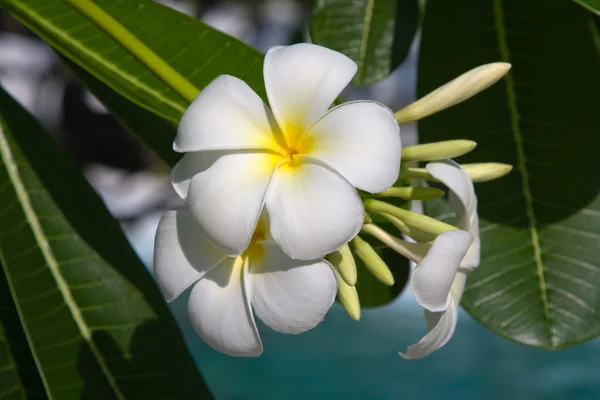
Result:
[{"x": 340, "y": 358}]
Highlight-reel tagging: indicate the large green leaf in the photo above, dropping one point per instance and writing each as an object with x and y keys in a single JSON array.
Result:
[
  {"x": 196, "y": 51},
  {"x": 376, "y": 34},
  {"x": 539, "y": 278},
  {"x": 592, "y": 5},
  {"x": 96, "y": 324},
  {"x": 19, "y": 378}
]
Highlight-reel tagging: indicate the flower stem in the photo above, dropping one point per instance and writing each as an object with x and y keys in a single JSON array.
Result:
[{"x": 136, "y": 47}]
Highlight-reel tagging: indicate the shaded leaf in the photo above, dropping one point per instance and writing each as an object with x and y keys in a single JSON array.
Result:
[
  {"x": 376, "y": 34},
  {"x": 591, "y": 5},
  {"x": 19, "y": 378},
  {"x": 539, "y": 278},
  {"x": 97, "y": 325}
]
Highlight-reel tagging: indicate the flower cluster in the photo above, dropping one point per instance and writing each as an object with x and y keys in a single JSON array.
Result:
[{"x": 273, "y": 216}]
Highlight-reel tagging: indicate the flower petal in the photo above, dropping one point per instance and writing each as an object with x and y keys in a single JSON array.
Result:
[
  {"x": 361, "y": 140},
  {"x": 302, "y": 81},
  {"x": 432, "y": 278},
  {"x": 290, "y": 296},
  {"x": 441, "y": 328},
  {"x": 220, "y": 311},
  {"x": 313, "y": 210},
  {"x": 462, "y": 200},
  {"x": 227, "y": 114},
  {"x": 189, "y": 166},
  {"x": 181, "y": 254},
  {"x": 226, "y": 199}
]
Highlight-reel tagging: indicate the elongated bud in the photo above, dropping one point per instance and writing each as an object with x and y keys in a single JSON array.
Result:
[
  {"x": 456, "y": 91},
  {"x": 408, "y": 230},
  {"x": 483, "y": 172},
  {"x": 343, "y": 261},
  {"x": 437, "y": 150},
  {"x": 412, "y": 251},
  {"x": 413, "y": 193},
  {"x": 348, "y": 296},
  {"x": 413, "y": 219},
  {"x": 478, "y": 172},
  {"x": 372, "y": 261}
]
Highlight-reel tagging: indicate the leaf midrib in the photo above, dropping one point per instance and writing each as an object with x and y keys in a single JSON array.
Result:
[
  {"x": 365, "y": 38},
  {"x": 40, "y": 238},
  {"x": 521, "y": 162}
]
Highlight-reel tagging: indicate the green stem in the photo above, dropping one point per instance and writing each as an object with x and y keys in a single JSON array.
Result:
[{"x": 136, "y": 47}]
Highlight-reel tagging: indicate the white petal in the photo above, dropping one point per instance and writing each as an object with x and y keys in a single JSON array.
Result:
[
  {"x": 226, "y": 199},
  {"x": 181, "y": 254},
  {"x": 462, "y": 200},
  {"x": 432, "y": 278},
  {"x": 290, "y": 296},
  {"x": 220, "y": 311},
  {"x": 361, "y": 140},
  {"x": 189, "y": 166},
  {"x": 313, "y": 210},
  {"x": 441, "y": 328},
  {"x": 227, "y": 114},
  {"x": 302, "y": 81}
]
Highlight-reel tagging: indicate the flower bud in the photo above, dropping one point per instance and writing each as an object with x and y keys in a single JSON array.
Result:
[
  {"x": 372, "y": 261},
  {"x": 348, "y": 296},
  {"x": 456, "y": 91},
  {"x": 437, "y": 150},
  {"x": 412, "y": 219},
  {"x": 343, "y": 261},
  {"x": 412, "y": 193}
]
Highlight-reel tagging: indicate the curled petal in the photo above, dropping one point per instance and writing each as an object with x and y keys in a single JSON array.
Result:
[
  {"x": 441, "y": 328},
  {"x": 226, "y": 115},
  {"x": 432, "y": 278},
  {"x": 227, "y": 198},
  {"x": 290, "y": 296},
  {"x": 181, "y": 254},
  {"x": 220, "y": 311},
  {"x": 302, "y": 81},
  {"x": 361, "y": 140},
  {"x": 313, "y": 210},
  {"x": 462, "y": 200}
]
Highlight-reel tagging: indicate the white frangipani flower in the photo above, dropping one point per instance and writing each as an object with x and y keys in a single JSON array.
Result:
[
  {"x": 438, "y": 281},
  {"x": 299, "y": 159},
  {"x": 289, "y": 296}
]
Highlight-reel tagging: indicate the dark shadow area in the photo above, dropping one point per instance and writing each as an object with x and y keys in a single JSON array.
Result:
[
  {"x": 151, "y": 369},
  {"x": 17, "y": 344}
]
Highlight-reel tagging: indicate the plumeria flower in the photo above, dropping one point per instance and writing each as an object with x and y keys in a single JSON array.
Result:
[
  {"x": 438, "y": 281},
  {"x": 297, "y": 158},
  {"x": 289, "y": 296}
]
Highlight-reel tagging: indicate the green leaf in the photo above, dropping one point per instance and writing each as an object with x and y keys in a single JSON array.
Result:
[
  {"x": 376, "y": 34},
  {"x": 539, "y": 278},
  {"x": 591, "y": 5},
  {"x": 19, "y": 378},
  {"x": 196, "y": 51},
  {"x": 96, "y": 324}
]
